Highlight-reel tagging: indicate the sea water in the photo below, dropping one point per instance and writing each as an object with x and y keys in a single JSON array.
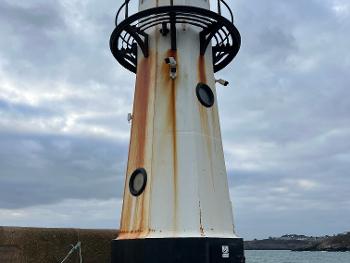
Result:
[{"x": 284, "y": 256}]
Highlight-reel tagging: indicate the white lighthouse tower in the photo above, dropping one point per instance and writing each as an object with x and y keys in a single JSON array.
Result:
[{"x": 176, "y": 205}]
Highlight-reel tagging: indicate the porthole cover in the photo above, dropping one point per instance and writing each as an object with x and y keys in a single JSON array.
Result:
[
  {"x": 138, "y": 181},
  {"x": 205, "y": 95}
]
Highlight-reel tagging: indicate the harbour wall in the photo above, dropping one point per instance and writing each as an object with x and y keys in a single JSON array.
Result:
[{"x": 51, "y": 245}]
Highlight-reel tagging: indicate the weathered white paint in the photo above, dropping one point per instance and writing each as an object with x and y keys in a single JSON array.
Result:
[{"x": 187, "y": 193}]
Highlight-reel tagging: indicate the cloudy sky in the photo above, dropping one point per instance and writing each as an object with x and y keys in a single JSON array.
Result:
[{"x": 285, "y": 117}]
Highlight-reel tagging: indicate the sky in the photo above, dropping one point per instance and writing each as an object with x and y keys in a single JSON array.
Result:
[{"x": 285, "y": 117}]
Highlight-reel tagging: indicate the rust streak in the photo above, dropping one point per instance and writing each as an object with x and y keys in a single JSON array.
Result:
[
  {"x": 134, "y": 213},
  {"x": 201, "y": 229},
  {"x": 172, "y": 86},
  {"x": 201, "y": 70},
  {"x": 133, "y": 234},
  {"x": 141, "y": 108},
  {"x": 202, "y": 77}
]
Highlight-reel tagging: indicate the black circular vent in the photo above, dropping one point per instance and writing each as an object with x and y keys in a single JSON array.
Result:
[
  {"x": 205, "y": 95},
  {"x": 138, "y": 181}
]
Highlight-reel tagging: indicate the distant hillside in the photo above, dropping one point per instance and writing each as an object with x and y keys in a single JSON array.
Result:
[
  {"x": 276, "y": 244},
  {"x": 293, "y": 242},
  {"x": 340, "y": 242}
]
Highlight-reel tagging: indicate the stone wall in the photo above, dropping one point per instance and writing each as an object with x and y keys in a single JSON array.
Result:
[{"x": 51, "y": 245}]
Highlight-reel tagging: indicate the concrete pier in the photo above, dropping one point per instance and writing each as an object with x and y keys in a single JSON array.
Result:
[{"x": 51, "y": 245}]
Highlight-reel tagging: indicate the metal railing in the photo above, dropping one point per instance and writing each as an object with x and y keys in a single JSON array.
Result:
[
  {"x": 74, "y": 248},
  {"x": 220, "y": 5},
  {"x": 124, "y": 6},
  {"x": 222, "y": 2}
]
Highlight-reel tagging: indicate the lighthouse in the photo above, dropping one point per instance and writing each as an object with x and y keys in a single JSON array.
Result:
[{"x": 176, "y": 203}]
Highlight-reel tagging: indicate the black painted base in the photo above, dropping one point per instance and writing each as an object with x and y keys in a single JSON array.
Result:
[{"x": 178, "y": 250}]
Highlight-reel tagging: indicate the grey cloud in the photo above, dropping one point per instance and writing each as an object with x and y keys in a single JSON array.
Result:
[
  {"x": 55, "y": 41},
  {"x": 21, "y": 16},
  {"x": 47, "y": 169},
  {"x": 25, "y": 110},
  {"x": 28, "y": 28}
]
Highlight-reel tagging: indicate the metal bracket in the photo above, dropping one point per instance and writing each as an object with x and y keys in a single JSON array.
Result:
[
  {"x": 171, "y": 61},
  {"x": 206, "y": 36},
  {"x": 143, "y": 44},
  {"x": 164, "y": 31}
]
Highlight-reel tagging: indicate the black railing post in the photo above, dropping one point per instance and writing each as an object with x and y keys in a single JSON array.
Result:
[
  {"x": 228, "y": 8},
  {"x": 219, "y": 7},
  {"x": 127, "y": 8},
  {"x": 173, "y": 31}
]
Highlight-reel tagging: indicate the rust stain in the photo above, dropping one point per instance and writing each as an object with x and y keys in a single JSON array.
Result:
[
  {"x": 141, "y": 100},
  {"x": 202, "y": 77},
  {"x": 155, "y": 77},
  {"x": 201, "y": 229},
  {"x": 204, "y": 116},
  {"x": 171, "y": 85},
  {"x": 134, "y": 213},
  {"x": 202, "y": 74},
  {"x": 133, "y": 234}
]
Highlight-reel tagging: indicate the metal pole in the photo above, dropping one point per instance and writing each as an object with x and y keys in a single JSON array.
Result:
[
  {"x": 127, "y": 8},
  {"x": 74, "y": 248}
]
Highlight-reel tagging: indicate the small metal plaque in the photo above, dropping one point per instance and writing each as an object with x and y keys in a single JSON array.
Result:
[{"x": 225, "y": 250}]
